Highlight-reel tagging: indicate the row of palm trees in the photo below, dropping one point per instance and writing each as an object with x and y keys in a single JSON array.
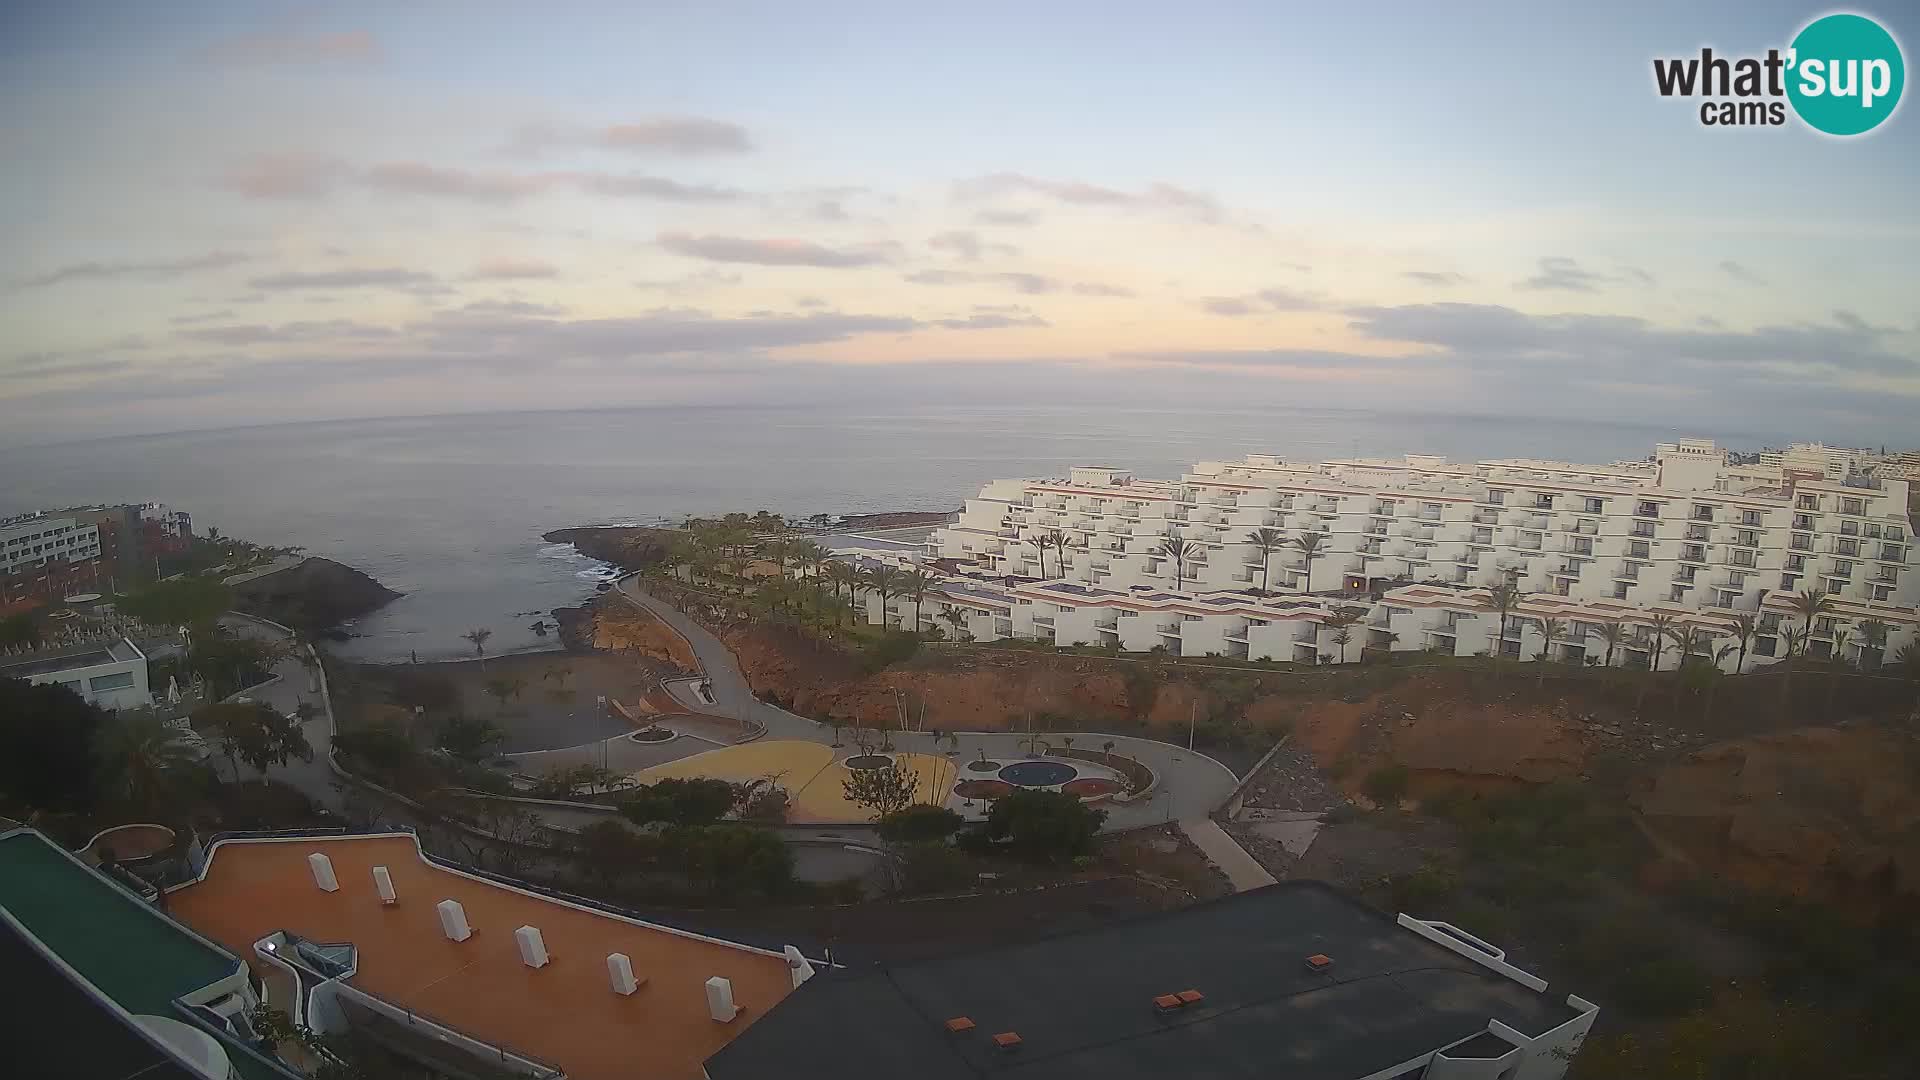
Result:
[{"x": 1185, "y": 554}]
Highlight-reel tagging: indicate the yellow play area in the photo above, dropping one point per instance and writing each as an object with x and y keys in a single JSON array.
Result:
[{"x": 811, "y": 773}]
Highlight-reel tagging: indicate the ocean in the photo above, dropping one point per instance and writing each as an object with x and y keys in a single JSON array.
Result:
[{"x": 450, "y": 509}]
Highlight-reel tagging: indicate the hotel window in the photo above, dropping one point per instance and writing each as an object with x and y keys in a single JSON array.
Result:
[
  {"x": 1639, "y": 549},
  {"x": 1788, "y": 582},
  {"x": 1883, "y": 592},
  {"x": 1853, "y": 506},
  {"x": 1894, "y": 532},
  {"x": 1743, "y": 558},
  {"x": 1893, "y": 552},
  {"x": 1677, "y": 594},
  {"x": 1750, "y": 517},
  {"x": 1684, "y": 573},
  {"x": 1595, "y": 506},
  {"x": 1746, "y": 538},
  {"x": 1648, "y": 509},
  {"x": 1497, "y": 498},
  {"x": 1808, "y": 502},
  {"x": 1702, "y": 513},
  {"x": 1801, "y": 542},
  {"x": 1542, "y": 502},
  {"x": 1620, "y": 591},
  {"x": 1842, "y": 568},
  {"x": 1697, "y": 532},
  {"x": 1643, "y": 528},
  {"x": 1846, "y": 547},
  {"x": 119, "y": 680},
  {"x": 1849, "y": 528},
  {"x": 1693, "y": 553}
]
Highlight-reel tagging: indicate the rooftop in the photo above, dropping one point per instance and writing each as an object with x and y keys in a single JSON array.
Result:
[
  {"x": 71, "y": 658},
  {"x": 1083, "y": 1005},
  {"x": 564, "y": 1013}
]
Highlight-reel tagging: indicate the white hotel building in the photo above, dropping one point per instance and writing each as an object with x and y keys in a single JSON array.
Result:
[{"x": 1416, "y": 543}]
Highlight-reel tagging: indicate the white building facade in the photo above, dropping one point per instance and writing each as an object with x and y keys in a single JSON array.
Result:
[
  {"x": 1410, "y": 548},
  {"x": 31, "y": 543},
  {"x": 112, "y": 674}
]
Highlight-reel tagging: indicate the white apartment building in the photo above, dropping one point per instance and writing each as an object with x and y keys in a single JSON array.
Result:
[
  {"x": 112, "y": 675},
  {"x": 33, "y": 542},
  {"x": 1832, "y": 462},
  {"x": 1412, "y": 547}
]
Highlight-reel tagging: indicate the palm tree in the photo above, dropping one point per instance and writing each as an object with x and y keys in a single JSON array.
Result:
[
  {"x": 1505, "y": 597},
  {"x": 810, "y": 555},
  {"x": 1745, "y": 625},
  {"x": 1614, "y": 633},
  {"x": 142, "y": 753},
  {"x": 915, "y": 583},
  {"x": 478, "y": 635},
  {"x": 1549, "y": 629},
  {"x": 1179, "y": 551},
  {"x": 1342, "y": 637},
  {"x": 957, "y": 618},
  {"x": 1838, "y": 659},
  {"x": 1689, "y": 639},
  {"x": 1713, "y": 678},
  {"x": 1309, "y": 545},
  {"x": 1058, "y": 538},
  {"x": 1810, "y": 605},
  {"x": 1873, "y": 643},
  {"x": 1267, "y": 540},
  {"x": 886, "y": 580},
  {"x": 1792, "y": 636}
]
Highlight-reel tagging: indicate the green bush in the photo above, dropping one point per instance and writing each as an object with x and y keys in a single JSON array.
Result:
[
  {"x": 934, "y": 867},
  {"x": 894, "y": 648},
  {"x": 1663, "y": 987},
  {"x": 1044, "y": 826},
  {"x": 1386, "y": 785},
  {"x": 1424, "y": 890},
  {"x": 699, "y": 801},
  {"x": 920, "y": 825}
]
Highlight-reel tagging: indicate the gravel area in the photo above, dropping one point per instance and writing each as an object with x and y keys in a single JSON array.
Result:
[{"x": 1290, "y": 781}]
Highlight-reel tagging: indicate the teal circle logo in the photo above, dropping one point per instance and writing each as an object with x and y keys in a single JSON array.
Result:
[{"x": 1845, "y": 74}]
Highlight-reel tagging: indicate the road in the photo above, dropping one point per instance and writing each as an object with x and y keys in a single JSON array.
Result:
[{"x": 1191, "y": 784}]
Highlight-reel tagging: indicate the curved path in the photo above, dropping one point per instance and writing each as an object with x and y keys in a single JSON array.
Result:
[{"x": 1191, "y": 784}]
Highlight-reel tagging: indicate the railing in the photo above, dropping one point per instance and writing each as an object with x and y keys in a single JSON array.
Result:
[{"x": 445, "y": 1034}]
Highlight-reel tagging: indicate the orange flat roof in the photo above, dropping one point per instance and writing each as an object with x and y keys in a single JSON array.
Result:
[{"x": 564, "y": 1013}]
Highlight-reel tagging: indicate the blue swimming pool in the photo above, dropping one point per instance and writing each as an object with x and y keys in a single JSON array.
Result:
[{"x": 1038, "y": 773}]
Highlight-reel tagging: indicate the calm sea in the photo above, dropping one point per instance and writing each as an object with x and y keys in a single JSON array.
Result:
[{"x": 450, "y": 509}]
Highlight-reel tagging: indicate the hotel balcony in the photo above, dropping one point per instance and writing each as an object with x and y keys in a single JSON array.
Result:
[{"x": 1169, "y": 629}]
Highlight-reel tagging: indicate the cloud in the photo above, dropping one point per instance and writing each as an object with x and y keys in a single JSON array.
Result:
[
  {"x": 383, "y": 277},
  {"x": 1011, "y": 218},
  {"x": 246, "y": 50},
  {"x": 1437, "y": 278},
  {"x": 967, "y": 245},
  {"x": 155, "y": 270},
  {"x": 809, "y": 302},
  {"x": 1095, "y": 288},
  {"x": 1265, "y": 300},
  {"x": 513, "y": 269},
  {"x": 679, "y": 135},
  {"x": 773, "y": 252},
  {"x": 1031, "y": 284},
  {"x": 285, "y": 176},
  {"x": 1296, "y": 359},
  {"x": 990, "y": 321},
  {"x": 513, "y": 307},
  {"x": 1490, "y": 336},
  {"x": 1557, "y": 272},
  {"x": 203, "y": 317},
  {"x": 331, "y": 330},
  {"x": 1740, "y": 273},
  {"x": 634, "y": 185},
  {"x": 1157, "y": 196},
  {"x": 418, "y": 178}
]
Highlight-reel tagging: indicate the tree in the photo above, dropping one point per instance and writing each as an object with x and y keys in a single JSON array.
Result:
[
  {"x": 228, "y": 661},
  {"x": 1045, "y": 826},
  {"x": 1342, "y": 637},
  {"x": 881, "y": 792},
  {"x": 504, "y": 690},
  {"x": 1614, "y": 633},
  {"x": 957, "y": 618},
  {"x": 144, "y": 755},
  {"x": 1180, "y": 551},
  {"x": 184, "y": 601},
  {"x": 1268, "y": 541},
  {"x": 844, "y": 574},
  {"x": 921, "y": 824},
  {"x": 469, "y": 739},
  {"x": 1873, "y": 643},
  {"x": 1550, "y": 628},
  {"x": 1838, "y": 660},
  {"x": 676, "y": 801},
  {"x": 1505, "y": 597},
  {"x": 1058, "y": 538},
  {"x": 19, "y": 630},
  {"x": 1810, "y": 605},
  {"x": 256, "y": 734},
  {"x": 916, "y": 582},
  {"x": 1745, "y": 626},
  {"x": 478, "y": 635},
  {"x": 382, "y": 745},
  {"x": 47, "y": 737},
  {"x": 885, "y": 579},
  {"x": 1309, "y": 544},
  {"x": 731, "y": 860},
  {"x": 609, "y": 853}
]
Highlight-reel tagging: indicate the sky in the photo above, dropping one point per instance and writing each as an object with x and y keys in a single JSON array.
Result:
[{"x": 218, "y": 214}]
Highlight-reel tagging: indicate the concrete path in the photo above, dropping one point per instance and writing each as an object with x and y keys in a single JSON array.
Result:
[
  {"x": 1191, "y": 784},
  {"x": 1221, "y": 850},
  {"x": 295, "y": 685}
]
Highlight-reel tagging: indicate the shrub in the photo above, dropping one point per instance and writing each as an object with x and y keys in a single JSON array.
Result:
[
  {"x": 698, "y": 801},
  {"x": 1663, "y": 987},
  {"x": 1045, "y": 826},
  {"x": 1424, "y": 889},
  {"x": 934, "y": 867},
  {"x": 920, "y": 825},
  {"x": 893, "y": 648},
  {"x": 1386, "y": 785}
]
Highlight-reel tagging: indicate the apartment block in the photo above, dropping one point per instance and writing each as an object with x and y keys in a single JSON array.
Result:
[{"x": 1414, "y": 545}]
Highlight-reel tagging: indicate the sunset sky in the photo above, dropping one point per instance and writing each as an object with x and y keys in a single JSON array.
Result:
[{"x": 219, "y": 214}]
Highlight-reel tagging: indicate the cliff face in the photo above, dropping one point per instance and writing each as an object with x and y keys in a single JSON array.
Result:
[
  {"x": 630, "y": 547},
  {"x": 315, "y": 595}
]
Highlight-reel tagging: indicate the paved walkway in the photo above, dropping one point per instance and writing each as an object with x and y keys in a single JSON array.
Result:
[
  {"x": 1221, "y": 850},
  {"x": 294, "y": 686},
  {"x": 1191, "y": 784}
]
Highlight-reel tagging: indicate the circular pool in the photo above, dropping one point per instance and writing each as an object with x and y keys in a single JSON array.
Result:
[
  {"x": 868, "y": 761},
  {"x": 1038, "y": 773}
]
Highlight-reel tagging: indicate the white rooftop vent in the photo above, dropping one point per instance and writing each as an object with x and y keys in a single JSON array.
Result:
[
  {"x": 720, "y": 1004},
  {"x": 453, "y": 920},
  {"x": 383, "y": 884},
  {"x": 322, "y": 868},
  {"x": 799, "y": 966},
  {"x": 533, "y": 948},
  {"x": 620, "y": 973}
]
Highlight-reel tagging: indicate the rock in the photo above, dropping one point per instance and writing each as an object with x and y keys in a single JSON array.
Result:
[{"x": 315, "y": 595}]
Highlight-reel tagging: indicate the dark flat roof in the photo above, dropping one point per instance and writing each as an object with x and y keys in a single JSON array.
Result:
[
  {"x": 1083, "y": 1007},
  {"x": 53, "y": 1027}
]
